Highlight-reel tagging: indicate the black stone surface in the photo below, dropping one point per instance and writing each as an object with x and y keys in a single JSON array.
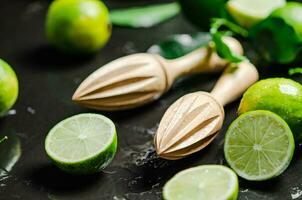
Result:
[{"x": 47, "y": 82}]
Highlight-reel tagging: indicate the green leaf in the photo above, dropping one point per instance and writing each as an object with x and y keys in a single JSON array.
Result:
[
  {"x": 297, "y": 70},
  {"x": 222, "y": 49},
  {"x": 144, "y": 17},
  {"x": 279, "y": 37},
  {"x": 276, "y": 40},
  {"x": 180, "y": 44}
]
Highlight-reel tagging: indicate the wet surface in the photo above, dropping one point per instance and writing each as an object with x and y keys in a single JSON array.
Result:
[{"x": 47, "y": 82}]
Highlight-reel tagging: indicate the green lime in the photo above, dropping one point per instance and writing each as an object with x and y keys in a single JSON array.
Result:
[
  {"x": 279, "y": 95},
  {"x": 78, "y": 26},
  {"x": 259, "y": 145},
  {"x": 211, "y": 182},
  {"x": 82, "y": 144},
  {"x": 200, "y": 12},
  {"x": 8, "y": 87},
  {"x": 248, "y": 13}
]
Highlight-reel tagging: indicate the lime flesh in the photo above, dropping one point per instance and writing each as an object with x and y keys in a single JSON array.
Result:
[
  {"x": 8, "y": 87},
  {"x": 259, "y": 145},
  {"x": 248, "y": 13},
  {"x": 211, "y": 182},
  {"x": 82, "y": 144}
]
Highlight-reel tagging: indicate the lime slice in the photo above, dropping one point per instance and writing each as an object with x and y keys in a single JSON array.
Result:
[
  {"x": 259, "y": 145},
  {"x": 82, "y": 144},
  {"x": 211, "y": 182},
  {"x": 248, "y": 13}
]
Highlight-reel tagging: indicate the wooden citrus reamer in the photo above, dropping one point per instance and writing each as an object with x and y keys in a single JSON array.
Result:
[
  {"x": 138, "y": 79},
  {"x": 195, "y": 119}
]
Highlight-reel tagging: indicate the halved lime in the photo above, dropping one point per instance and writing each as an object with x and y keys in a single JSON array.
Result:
[
  {"x": 211, "y": 182},
  {"x": 259, "y": 145},
  {"x": 82, "y": 144},
  {"x": 248, "y": 13}
]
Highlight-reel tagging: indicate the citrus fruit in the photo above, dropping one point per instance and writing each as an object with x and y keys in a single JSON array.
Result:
[
  {"x": 211, "y": 182},
  {"x": 200, "y": 12},
  {"x": 259, "y": 145},
  {"x": 280, "y": 35},
  {"x": 8, "y": 87},
  {"x": 279, "y": 95},
  {"x": 248, "y": 13},
  {"x": 78, "y": 26},
  {"x": 82, "y": 144}
]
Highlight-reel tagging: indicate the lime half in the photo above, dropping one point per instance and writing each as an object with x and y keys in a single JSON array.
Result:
[
  {"x": 248, "y": 13},
  {"x": 82, "y": 144},
  {"x": 259, "y": 145},
  {"x": 211, "y": 182}
]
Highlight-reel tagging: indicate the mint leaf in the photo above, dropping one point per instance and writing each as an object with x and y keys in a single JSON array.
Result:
[
  {"x": 144, "y": 17},
  {"x": 221, "y": 48},
  {"x": 276, "y": 40}
]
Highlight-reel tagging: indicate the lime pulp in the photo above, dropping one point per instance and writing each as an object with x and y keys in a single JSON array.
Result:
[
  {"x": 82, "y": 144},
  {"x": 211, "y": 182},
  {"x": 259, "y": 145}
]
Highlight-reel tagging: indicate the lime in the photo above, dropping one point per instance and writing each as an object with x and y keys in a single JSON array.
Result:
[
  {"x": 8, "y": 87},
  {"x": 211, "y": 182},
  {"x": 279, "y": 95},
  {"x": 78, "y": 26},
  {"x": 200, "y": 12},
  {"x": 82, "y": 144},
  {"x": 248, "y": 13},
  {"x": 259, "y": 145}
]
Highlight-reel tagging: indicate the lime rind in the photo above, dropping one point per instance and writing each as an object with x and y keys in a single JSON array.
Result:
[
  {"x": 276, "y": 166},
  {"x": 83, "y": 164},
  {"x": 210, "y": 183}
]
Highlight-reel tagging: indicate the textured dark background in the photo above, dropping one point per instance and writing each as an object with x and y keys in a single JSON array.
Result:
[{"x": 47, "y": 82}]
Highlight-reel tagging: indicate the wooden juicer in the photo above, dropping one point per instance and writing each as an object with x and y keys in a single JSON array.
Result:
[
  {"x": 195, "y": 119},
  {"x": 138, "y": 79}
]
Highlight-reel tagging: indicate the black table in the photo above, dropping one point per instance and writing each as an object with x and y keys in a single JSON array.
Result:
[{"x": 47, "y": 82}]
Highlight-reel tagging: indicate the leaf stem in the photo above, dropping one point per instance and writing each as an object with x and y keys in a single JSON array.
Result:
[
  {"x": 3, "y": 139},
  {"x": 217, "y": 23}
]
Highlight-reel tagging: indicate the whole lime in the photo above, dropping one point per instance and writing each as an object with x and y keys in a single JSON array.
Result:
[
  {"x": 78, "y": 26},
  {"x": 8, "y": 87},
  {"x": 200, "y": 12},
  {"x": 279, "y": 95}
]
